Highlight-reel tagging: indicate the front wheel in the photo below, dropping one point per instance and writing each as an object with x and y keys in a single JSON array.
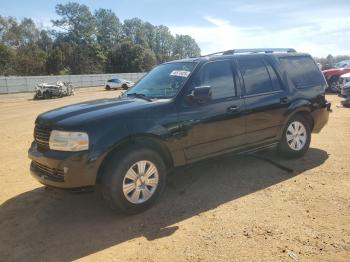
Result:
[
  {"x": 135, "y": 181},
  {"x": 46, "y": 95},
  {"x": 296, "y": 137}
]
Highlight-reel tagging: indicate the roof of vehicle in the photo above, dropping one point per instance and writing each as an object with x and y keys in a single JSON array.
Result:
[{"x": 277, "y": 52}]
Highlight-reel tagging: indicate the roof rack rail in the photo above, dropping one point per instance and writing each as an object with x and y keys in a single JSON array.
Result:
[{"x": 255, "y": 50}]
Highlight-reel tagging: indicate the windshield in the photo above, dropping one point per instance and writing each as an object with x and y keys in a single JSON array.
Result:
[{"x": 164, "y": 81}]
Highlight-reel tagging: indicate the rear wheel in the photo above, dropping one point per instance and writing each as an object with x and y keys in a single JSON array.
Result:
[
  {"x": 125, "y": 87},
  {"x": 334, "y": 85},
  {"x": 296, "y": 137},
  {"x": 37, "y": 95},
  {"x": 135, "y": 181}
]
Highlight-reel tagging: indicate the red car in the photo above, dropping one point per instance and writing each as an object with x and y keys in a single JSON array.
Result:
[{"x": 332, "y": 75}]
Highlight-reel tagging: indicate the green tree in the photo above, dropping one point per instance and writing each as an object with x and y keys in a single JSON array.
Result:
[
  {"x": 7, "y": 60},
  {"x": 134, "y": 30},
  {"x": 45, "y": 42},
  {"x": 185, "y": 46},
  {"x": 76, "y": 21},
  {"x": 128, "y": 57},
  {"x": 55, "y": 61},
  {"x": 30, "y": 60},
  {"x": 109, "y": 28},
  {"x": 164, "y": 42},
  {"x": 79, "y": 29},
  {"x": 83, "y": 42}
]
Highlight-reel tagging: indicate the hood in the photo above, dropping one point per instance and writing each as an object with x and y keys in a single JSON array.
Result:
[{"x": 82, "y": 114}]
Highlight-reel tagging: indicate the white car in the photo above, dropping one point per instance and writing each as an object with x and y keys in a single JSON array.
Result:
[
  {"x": 117, "y": 83},
  {"x": 345, "y": 78},
  {"x": 60, "y": 89}
]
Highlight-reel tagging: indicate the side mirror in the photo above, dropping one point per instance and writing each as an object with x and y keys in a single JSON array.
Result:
[{"x": 200, "y": 94}]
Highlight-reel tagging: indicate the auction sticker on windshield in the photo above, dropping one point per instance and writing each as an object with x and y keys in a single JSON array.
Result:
[{"x": 181, "y": 73}]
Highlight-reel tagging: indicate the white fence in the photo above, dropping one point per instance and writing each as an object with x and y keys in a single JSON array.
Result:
[{"x": 16, "y": 84}]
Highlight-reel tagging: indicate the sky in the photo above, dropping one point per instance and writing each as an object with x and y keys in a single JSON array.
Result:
[{"x": 317, "y": 27}]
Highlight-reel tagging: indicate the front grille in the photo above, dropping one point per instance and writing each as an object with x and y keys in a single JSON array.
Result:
[
  {"x": 49, "y": 173},
  {"x": 42, "y": 136}
]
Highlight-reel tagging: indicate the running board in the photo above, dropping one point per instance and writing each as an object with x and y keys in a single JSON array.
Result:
[{"x": 257, "y": 149}]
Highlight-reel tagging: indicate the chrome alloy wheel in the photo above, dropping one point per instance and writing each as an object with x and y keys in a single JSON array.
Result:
[
  {"x": 296, "y": 135},
  {"x": 140, "y": 182}
]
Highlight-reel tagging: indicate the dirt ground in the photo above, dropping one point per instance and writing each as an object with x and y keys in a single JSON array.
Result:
[{"x": 225, "y": 209}]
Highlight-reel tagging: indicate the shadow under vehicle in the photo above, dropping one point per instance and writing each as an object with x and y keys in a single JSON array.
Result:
[{"x": 51, "y": 225}]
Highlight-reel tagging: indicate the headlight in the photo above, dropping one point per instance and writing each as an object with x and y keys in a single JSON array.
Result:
[{"x": 68, "y": 141}]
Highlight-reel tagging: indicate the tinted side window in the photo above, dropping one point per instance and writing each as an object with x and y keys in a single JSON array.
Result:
[
  {"x": 276, "y": 84},
  {"x": 303, "y": 71},
  {"x": 218, "y": 75},
  {"x": 255, "y": 75}
]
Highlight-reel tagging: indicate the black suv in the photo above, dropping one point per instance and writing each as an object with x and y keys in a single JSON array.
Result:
[{"x": 181, "y": 112}]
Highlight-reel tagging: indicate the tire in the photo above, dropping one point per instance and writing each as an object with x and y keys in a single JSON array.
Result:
[
  {"x": 295, "y": 144},
  {"x": 133, "y": 195},
  {"x": 333, "y": 85},
  {"x": 108, "y": 87},
  {"x": 46, "y": 95},
  {"x": 37, "y": 95},
  {"x": 125, "y": 87}
]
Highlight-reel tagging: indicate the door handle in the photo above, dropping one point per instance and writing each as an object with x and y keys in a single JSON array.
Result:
[
  {"x": 284, "y": 100},
  {"x": 232, "y": 108}
]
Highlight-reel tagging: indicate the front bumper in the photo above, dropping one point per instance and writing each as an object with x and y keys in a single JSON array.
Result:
[
  {"x": 69, "y": 170},
  {"x": 320, "y": 117}
]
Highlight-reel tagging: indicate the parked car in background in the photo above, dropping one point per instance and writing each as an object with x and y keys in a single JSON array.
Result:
[
  {"x": 333, "y": 75},
  {"x": 343, "y": 64},
  {"x": 345, "y": 89},
  {"x": 181, "y": 112},
  {"x": 344, "y": 78},
  {"x": 60, "y": 89},
  {"x": 117, "y": 83},
  {"x": 319, "y": 65}
]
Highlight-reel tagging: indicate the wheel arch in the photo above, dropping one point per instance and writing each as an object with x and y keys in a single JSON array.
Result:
[
  {"x": 143, "y": 140},
  {"x": 304, "y": 111}
]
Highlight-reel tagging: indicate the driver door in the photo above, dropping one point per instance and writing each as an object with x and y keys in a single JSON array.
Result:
[{"x": 217, "y": 125}]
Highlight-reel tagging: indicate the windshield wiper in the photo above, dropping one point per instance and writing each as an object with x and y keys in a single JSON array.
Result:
[{"x": 141, "y": 96}]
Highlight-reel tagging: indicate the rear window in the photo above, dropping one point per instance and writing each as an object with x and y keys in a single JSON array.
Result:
[{"x": 303, "y": 71}]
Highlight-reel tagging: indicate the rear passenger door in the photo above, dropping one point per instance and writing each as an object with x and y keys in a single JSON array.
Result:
[{"x": 265, "y": 98}]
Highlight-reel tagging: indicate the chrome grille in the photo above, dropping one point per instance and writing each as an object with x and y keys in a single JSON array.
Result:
[
  {"x": 42, "y": 136},
  {"x": 53, "y": 174}
]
